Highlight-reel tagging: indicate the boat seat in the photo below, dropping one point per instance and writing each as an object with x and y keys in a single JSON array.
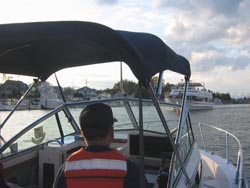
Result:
[
  {"x": 5, "y": 184},
  {"x": 52, "y": 156},
  {"x": 10, "y": 185}
]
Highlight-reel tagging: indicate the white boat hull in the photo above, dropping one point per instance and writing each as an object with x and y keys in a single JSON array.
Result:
[
  {"x": 4, "y": 107},
  {"x": 50, "y": 103},
  {"x": 194, "y": 105}
]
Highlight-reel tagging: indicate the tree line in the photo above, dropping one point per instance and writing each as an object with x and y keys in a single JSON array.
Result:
[
  {"x": 132, "y": 88},
  {"x": 14, "y": 89}
]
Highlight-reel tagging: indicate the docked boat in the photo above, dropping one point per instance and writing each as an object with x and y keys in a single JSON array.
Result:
[
  {"x": 198, "y": 97},
  {"x": 50, "y": 103},
  {"x": 162, "y": 142},
  {"x": 5, "y": 107},
  {"x": 29, "y": 104}
]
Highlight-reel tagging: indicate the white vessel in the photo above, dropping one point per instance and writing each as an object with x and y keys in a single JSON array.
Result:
[
  {"x": 198, "y": 97},
  {"x": 160, "y": 141},
  {"x": 29, "y": 104},
  {"x": 50, "y": 103},
  {"x": 5, "y": 107}
]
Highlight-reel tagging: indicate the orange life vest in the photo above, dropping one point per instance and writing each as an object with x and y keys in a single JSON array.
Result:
[{"x": 95, "y": 169}]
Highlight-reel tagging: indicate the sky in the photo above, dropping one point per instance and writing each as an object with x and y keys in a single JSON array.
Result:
[{"x": 214, "y": 35}]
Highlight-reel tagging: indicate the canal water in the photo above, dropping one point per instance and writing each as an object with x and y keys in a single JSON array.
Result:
[{"x": 233, "y": 118}]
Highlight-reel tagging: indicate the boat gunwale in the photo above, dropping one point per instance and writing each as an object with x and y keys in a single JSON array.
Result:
[{"x": 240, "y": 177}]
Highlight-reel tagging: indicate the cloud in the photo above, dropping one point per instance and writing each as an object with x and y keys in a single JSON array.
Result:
[
  {"x": 160, "y": 4},
  {"x": 225, "y": 7},
  {"x": 194, "y": 21},
  {"x": 211, "y": 60},
  {"x": 212, "y": 35},
  {"x": 185, "y": 31},
  {"x": 239, "y": 63},
  {"x": 107, "y": 2},
  {"x": 238, "y": 33},
  {"x": 203, "y": 61},
  {"x": 193, "y": 29}
]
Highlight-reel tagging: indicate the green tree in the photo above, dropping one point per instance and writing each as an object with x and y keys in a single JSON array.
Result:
[
  {"x": 128, "y": 85},
  {"x": 225, "y": 97},
  {"x": 144, "y": 93}
]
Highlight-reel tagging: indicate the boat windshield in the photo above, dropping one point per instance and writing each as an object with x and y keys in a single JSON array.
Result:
[
  {"x": 126, "y": 111},
  {"x": 41, "y": 98},
  {"x": 49, "y": 128},
  {"x": 57, "y": 124}
]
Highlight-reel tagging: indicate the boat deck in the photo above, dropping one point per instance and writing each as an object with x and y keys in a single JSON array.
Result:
[{"x": 216, "y": 172}]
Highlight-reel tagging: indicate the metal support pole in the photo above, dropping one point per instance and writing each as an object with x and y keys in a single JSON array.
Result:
[
  {"x": 121, "y": 80},
  {"x": 159, "y": 85},
  {"x": 183, "y": 113},
  {"x": 60, "y": 89},
  {"x": 157, "y": 106},
  {"x": 227, "y": 149},
  {"x": 18, "y": 103},
  {"x": 237, "y": 169},
  {"x": 202, "y": 137},
  {"x": 141, "y": 140}
]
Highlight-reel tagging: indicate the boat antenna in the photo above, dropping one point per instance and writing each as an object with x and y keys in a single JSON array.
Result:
[{"x": 60, "y": 89}]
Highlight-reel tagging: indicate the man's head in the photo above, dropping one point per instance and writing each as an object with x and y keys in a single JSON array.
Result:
[{"x": 96, "y": 121}]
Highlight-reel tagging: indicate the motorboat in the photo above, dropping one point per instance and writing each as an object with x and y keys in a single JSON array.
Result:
[
  {"x": 160, "y": 141},
  {"x": 50, "y": 103},
  {"x": 29, "y": 104},
  {"x": 5, "y": 107},
  {"x": 198, "y": 97}
]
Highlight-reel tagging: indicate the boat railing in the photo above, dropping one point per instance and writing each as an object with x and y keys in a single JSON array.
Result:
[{"x": 240, "y": 177}]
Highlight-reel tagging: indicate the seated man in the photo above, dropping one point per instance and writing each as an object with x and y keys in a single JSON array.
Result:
[{"x": 98, "y": 165}]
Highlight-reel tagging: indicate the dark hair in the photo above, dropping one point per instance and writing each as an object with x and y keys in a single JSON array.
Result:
[{"x": 96, "y": 120}]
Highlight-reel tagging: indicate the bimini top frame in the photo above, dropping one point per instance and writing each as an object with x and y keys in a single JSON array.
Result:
[{"x": 40, "y": 49}]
